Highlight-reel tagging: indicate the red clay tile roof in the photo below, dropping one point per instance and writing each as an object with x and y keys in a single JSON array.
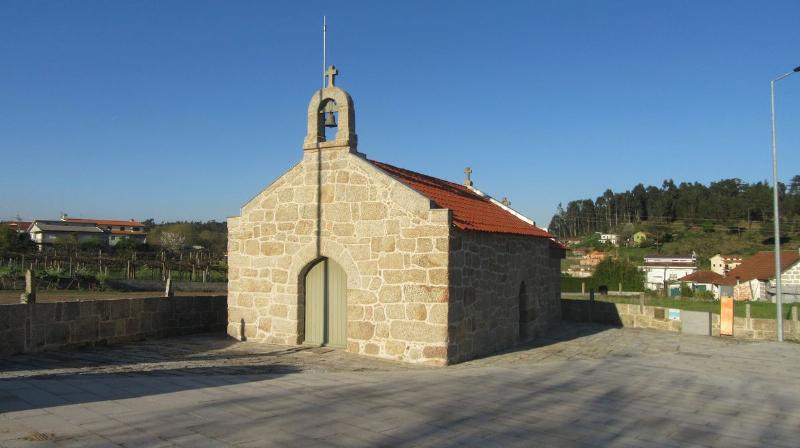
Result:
[
  {"x": 703, "y": 277},
  {"x": 761, "y": 266},
  {"x": 19, "y": 226},
  {"x": 106, "y": 222},
  {"x": 470, "y": 210}
]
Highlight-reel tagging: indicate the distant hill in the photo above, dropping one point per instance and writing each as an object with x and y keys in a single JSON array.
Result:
[{"x": 727, "y": 216}]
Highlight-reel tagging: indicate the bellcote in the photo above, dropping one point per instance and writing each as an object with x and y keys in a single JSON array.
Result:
[{"x": 335, "y": 105}]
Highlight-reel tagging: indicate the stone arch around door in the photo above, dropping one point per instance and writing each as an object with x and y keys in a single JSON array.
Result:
[
  {"x": 305, "y": 258},
  {"x": 325, "y": 304}
]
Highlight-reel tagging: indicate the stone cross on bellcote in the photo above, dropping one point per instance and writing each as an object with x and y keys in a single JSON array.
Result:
[
  {"x": 467, "y": 173},
  {"x": 331, "y": 74}
]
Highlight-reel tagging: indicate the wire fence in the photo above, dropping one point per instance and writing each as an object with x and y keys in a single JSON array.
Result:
[{"x": 74, "y": 269}]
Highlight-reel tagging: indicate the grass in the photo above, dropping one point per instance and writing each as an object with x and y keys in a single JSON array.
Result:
[{"x": 758, "y": 310}]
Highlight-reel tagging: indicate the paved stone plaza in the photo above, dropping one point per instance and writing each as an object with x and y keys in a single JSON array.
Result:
[{"x": 585, "y": 386}]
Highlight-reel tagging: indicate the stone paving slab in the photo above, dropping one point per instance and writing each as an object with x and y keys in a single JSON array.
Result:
[{"x": 584, "y": 385}]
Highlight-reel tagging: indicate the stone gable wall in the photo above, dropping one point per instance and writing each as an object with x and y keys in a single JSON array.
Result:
[
  {"x": 791, "y": 276},
  {"x": 391, "y": 244},
  {"x": 486, "y": 271}
]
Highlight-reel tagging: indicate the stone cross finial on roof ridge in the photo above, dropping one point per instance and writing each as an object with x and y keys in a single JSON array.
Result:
[
  {"x": 331, "y": 73},
  {"x": 467, "y": 179}
]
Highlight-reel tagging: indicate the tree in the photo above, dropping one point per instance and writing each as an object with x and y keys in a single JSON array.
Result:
[
  {"x": 91, "y": 244},
  {"x": 8, "y": 238},
  {"x": 66, "y": 243},
  {"x": 12, "y": 241},
  {"x": 126, "y": 246},
  {"x": 611, "y": 272},
  {"x": 794, "y": 185},
  {"x": 627, "y": 232},
  {"x": 725, "y": 202},
  {"x": 171, "y": 241}
]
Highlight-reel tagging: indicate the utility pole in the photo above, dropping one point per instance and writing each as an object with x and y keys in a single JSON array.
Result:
[{"x": 775, "y": 211}]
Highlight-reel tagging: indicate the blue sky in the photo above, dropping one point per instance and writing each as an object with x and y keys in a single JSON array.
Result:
[{"x": 185, "y": 109}]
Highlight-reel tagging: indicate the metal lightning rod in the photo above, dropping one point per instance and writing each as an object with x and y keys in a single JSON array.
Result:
[{"x": 324, "y": 48}]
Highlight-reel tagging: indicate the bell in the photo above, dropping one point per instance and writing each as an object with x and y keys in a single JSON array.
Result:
[{"x": 330, "y": 120}]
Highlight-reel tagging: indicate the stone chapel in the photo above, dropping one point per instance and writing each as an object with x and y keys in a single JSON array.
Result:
[{"x": 349, "y": 252}]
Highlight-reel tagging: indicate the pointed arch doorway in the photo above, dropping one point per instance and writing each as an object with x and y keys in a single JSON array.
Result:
[{"x": 326, "y": 304}]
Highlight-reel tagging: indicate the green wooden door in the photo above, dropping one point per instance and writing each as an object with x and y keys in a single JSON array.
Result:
[
  {"x": 326, "y": 305},
  {"x": 315, "y": 304},
  {"x": 337, "y": 305}
]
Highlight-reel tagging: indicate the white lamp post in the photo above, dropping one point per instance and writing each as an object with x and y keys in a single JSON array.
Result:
[{"x": 776, "y": 216}]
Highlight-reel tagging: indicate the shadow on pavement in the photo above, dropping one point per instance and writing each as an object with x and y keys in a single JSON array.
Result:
[
  {"x": 194, "y": 348},
  {"x": 61, "y": 389},
  {"x": 598, "y": 403}
]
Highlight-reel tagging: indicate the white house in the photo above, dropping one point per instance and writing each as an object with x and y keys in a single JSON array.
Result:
[
  {"x": 703, "y": 281},
  {"x": 663, "y": 269},
  {"x": 610, "y": 238},
  {"x": 50, "y": 232}
]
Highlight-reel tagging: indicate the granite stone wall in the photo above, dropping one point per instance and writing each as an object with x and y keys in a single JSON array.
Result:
[
  {"x": 52, "y": 326},
  {"x": 504, "y": 289},
  {"x": 657, "y": 318},
  {"x": 392, "y": 245}
]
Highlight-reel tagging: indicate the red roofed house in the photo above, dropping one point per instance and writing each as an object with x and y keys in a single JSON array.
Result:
[
  {"x": 704, "y": 281},
  {"x": 593, "y": 258},
  {"x": 349, "y": 252},
  {"x": 18, "y": 226},
  {"x": 754, "y": 278},
  {"x": 116, "y": 230}
]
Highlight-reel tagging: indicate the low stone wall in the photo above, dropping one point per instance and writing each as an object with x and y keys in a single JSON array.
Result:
[
  {"x": 52, "y": 326},
  {"x": 158, "y": 285},
  {"x": 657, "y": 318},
  {"x": 758, "y": 329}
]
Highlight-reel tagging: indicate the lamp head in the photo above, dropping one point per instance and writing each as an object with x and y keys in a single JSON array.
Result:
[{"x": 796, "y": 69}]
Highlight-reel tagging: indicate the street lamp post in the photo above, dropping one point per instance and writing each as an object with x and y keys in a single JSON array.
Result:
[{"x": 776, "y": 216}]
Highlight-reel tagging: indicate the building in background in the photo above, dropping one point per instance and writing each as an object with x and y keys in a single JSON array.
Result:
[
  {"x": 117, "y": 230},
  {"x": 609, "y": 238},
  {"x": 703, "y": 281},
  {"x": 46, "y": 232},
  {"x": 18, "y": 226},
  {"x": 105, "y": 232},
  {"x": 754, "y": 278},
  {"x": 639, "y": 238},
  {"x": 661, "y": 270},
  {"x": 592, "y": 259},
  {"x": 722, "y": 264}
]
